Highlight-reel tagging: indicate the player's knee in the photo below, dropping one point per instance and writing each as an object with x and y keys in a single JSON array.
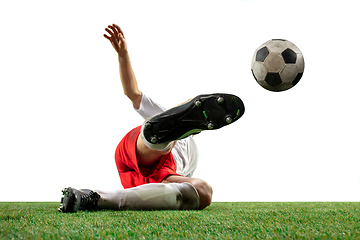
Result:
[{"x": 205, "y": 192}]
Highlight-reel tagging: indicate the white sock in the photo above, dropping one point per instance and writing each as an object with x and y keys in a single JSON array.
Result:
[
  {"x": 152, "y": 196},
  {"x": 158, "y": 147}
]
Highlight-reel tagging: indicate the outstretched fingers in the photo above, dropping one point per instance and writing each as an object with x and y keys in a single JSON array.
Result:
[
  {"x": 110, "y": 32},
  {"x": 115, "y": 32},
  {"x": 118, "y": 29}
]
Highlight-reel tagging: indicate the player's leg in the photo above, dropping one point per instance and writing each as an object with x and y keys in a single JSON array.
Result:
[
  {"x": 203, "y": 189},
  {"x": 156, "y": 196},
  {"x": 204, "y": 112},
  {"x": 152, "y": 196}
]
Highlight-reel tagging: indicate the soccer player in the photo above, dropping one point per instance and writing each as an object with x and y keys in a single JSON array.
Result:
[{"x": 156, "y": 160}]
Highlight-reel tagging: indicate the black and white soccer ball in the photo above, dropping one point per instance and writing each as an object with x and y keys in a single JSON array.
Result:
[{"x": 277, "y": 65}]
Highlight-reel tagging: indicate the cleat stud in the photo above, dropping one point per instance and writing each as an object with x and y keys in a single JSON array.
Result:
[
  {"x": 228, "y": 120},
  {"x": 220, "y": 100},
  {"x": 153, "y": 139},
  {"x": 62, "y": 199},
  {"x": 210, "y": 126},
  {"x": 197, "y": 103},
  {"x": 148, "y": 124},
  {"x": 238, "y": 112},
  {"x": 67, "y": 194}
]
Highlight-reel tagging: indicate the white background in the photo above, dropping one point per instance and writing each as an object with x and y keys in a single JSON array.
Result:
[{"x": 63, "y": 111}]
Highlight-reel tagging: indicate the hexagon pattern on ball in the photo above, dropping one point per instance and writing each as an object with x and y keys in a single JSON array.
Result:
[{"x": 277, "y": 65}]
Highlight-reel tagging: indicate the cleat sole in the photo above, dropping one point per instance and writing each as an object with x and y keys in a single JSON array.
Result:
[{"x": 204, "y": 112}]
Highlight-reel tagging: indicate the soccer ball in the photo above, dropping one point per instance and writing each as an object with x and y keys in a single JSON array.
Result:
[{"x": 277, "y": 65}]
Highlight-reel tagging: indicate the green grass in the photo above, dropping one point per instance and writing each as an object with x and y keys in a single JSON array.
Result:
[{"x": 219, "y": 221}]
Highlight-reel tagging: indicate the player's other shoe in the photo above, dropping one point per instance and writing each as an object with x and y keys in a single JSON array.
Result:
[
  {"x": 204, "y": 112},
  {"x": 74, "y": 200}
]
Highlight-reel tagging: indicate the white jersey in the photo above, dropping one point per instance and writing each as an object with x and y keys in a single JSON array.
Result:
[{"x": 185, "y": 152}]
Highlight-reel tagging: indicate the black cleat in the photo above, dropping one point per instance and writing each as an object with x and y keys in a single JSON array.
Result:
[
  {"x": 204, "y": 112},
  {"x": 74, "y": 200}
]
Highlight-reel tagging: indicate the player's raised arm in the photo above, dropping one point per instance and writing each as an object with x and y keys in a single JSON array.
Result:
[{"x": 127, "y": 76}]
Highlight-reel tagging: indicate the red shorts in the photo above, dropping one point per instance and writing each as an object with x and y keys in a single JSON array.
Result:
[{"x": 127, "y": 165}]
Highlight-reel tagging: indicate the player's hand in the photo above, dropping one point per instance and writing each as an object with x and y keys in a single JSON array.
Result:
[{"x": 116, "y": 38}]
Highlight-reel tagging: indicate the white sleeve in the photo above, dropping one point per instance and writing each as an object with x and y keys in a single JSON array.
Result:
[{"x": 148, "y": 107}]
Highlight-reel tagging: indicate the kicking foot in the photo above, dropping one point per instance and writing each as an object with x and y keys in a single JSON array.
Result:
[
  {"x": 74, "y": 200},
  {"x": 204, "y": 112}
]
